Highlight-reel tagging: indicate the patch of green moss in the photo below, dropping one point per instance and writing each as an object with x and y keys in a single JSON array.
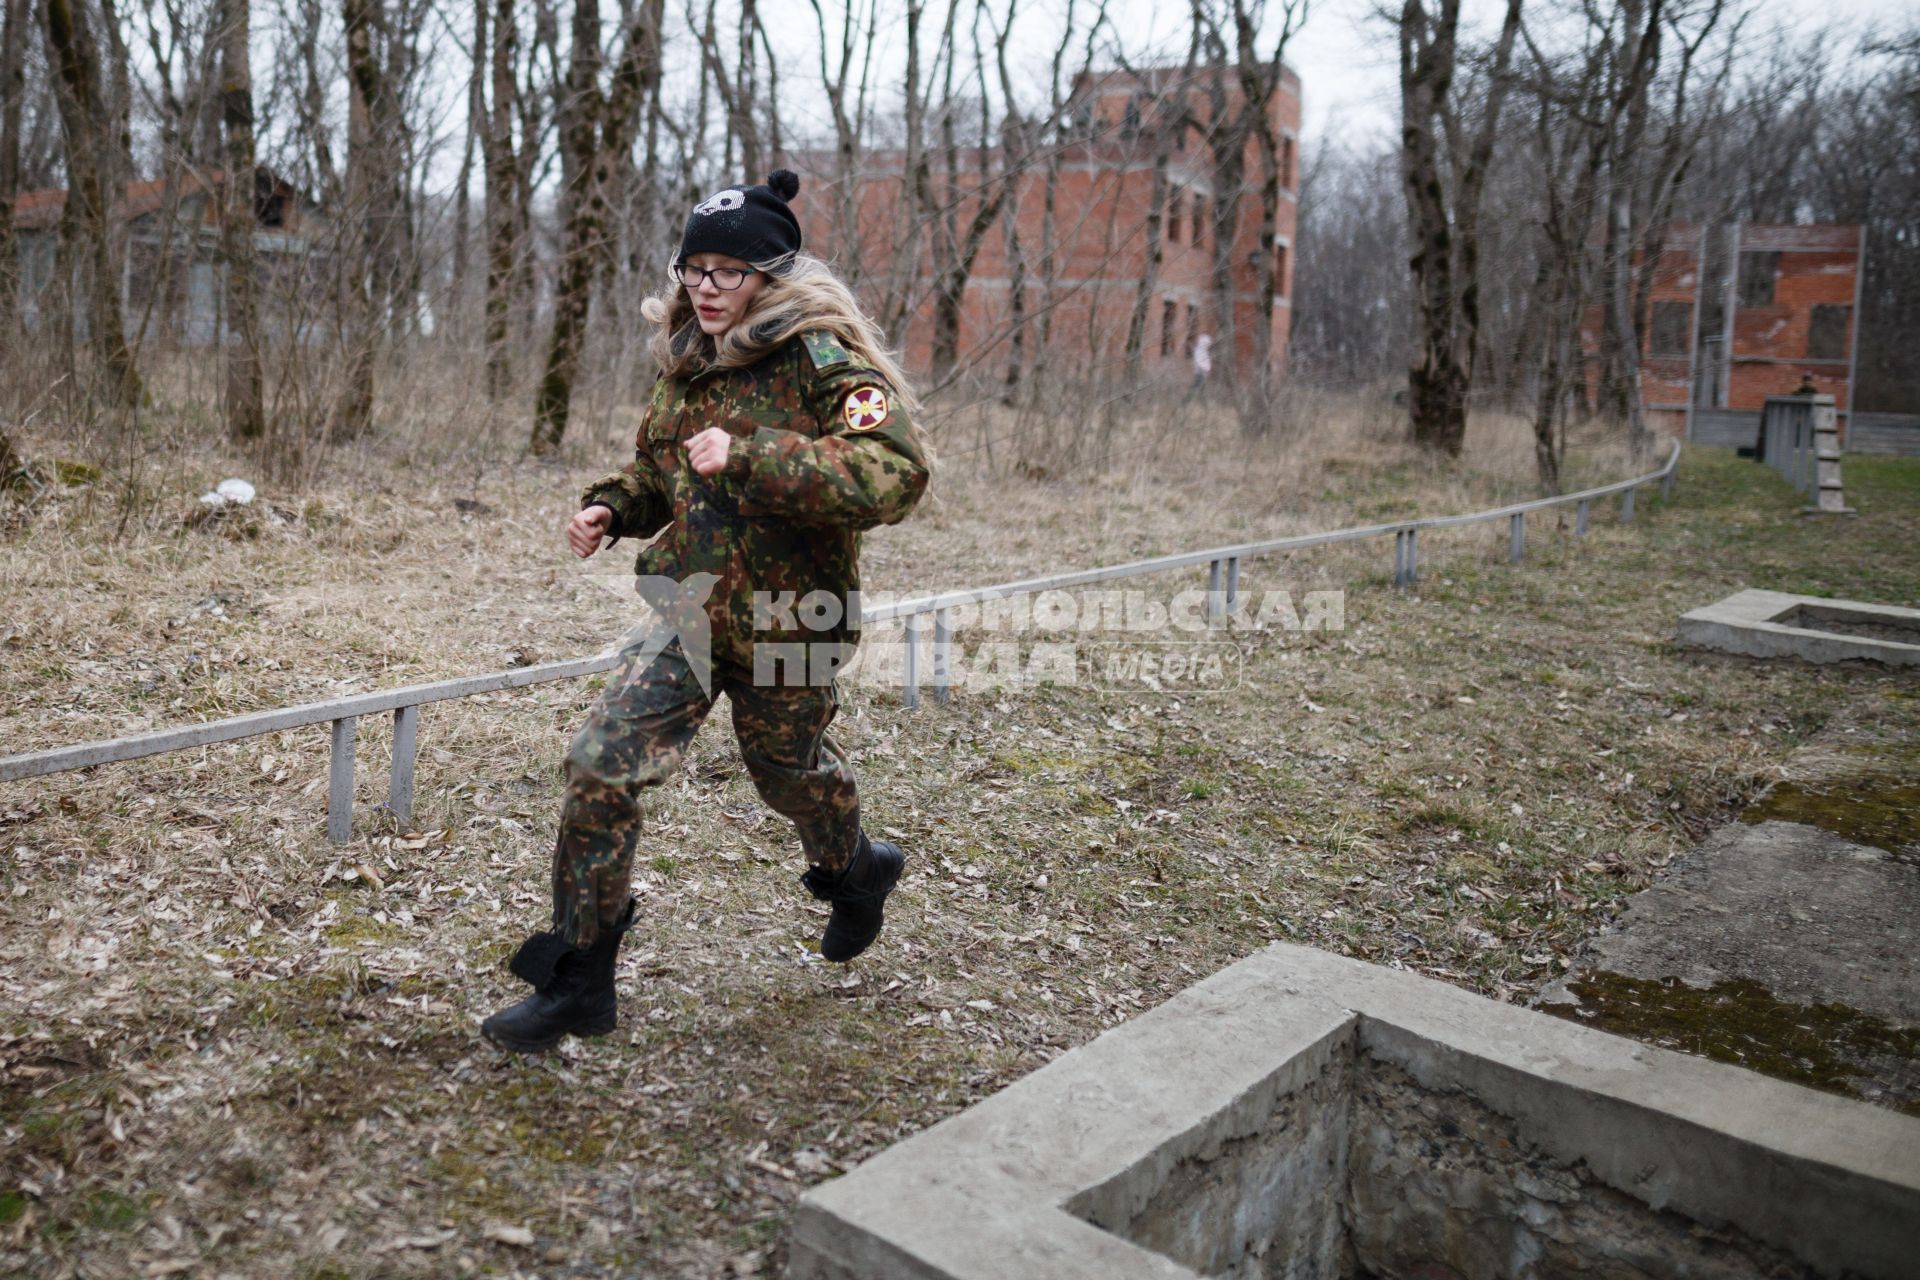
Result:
[
  {"x": 12, "y": 1205},
  {"x": 1086, "y": 800},
  {"x": 72, "y": 472},
  {"x": 358, "y": 928},
  {"x": 1034, "y": 761},
  {"x": 1740, "y": 1022},
  {"x": 111, "y": 1211},
  {"x": 1441, "y": 817},
  {"x": 1876, "y": 811}
]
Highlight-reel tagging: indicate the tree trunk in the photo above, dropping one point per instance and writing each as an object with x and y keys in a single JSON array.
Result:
[
  {"x": 463, "y": 201},
  {"x": 89, "y": 133},
  {"x": 364, "y": 87},
  {"x": 13, "y": 92},
  {"x": 244, "y": 417},
  {"x": 1436, "y": 381},
  {"x": 1443, "y": 213},
  {"x": 501, "y": 172},
  {"x": 603, "y": 141},
  {"x": 1143, "y": 291}
]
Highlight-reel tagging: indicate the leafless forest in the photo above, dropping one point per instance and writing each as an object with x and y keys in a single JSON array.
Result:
[{"x": 463, "y": 206}]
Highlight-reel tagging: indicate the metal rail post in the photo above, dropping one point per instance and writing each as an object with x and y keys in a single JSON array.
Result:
[
  {"x": 942, "y": 654},
  {"x": 1213, "y": 593},
  {"x": 1516, "y": 537},
  {"x": 910, "y": 695},
  {"x": 1233, "y": 584},
  {"x": 1580, "y": 519},
  {"x": 340, "y": 783},
  {"x": 1626, "y": 506},
  {"x": 406, "y": 735}
]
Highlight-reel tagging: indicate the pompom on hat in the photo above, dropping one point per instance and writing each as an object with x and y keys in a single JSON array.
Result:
[{"x": 752, "y": 224}]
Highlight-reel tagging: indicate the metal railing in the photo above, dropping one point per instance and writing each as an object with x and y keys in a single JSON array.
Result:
[{"x": 343, "y": 714}]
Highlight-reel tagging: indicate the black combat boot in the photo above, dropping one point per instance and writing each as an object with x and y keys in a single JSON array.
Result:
[
  {"x": 572, "y": 990},
  {"x": 856, "y": 894}
]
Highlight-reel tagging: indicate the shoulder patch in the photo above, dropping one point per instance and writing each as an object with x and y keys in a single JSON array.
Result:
[
  {"x": 825, "y": 350},
  {"x": 865, "y": 408}
]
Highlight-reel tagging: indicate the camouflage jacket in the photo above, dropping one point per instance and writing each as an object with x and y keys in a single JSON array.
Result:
[{"x": 822, "y": 449}]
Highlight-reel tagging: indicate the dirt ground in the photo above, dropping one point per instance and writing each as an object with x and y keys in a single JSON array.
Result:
[{"x": 230, "y": 1048}]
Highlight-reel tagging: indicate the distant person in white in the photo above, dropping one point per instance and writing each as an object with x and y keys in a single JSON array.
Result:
[{"x": 1202, "y": 359}]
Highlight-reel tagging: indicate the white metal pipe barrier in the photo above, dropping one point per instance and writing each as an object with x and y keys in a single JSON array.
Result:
[{"x": 404, "y": 703}]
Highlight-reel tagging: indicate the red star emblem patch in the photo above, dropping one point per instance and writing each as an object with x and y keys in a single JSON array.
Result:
[{"x": 866, "y": 409}]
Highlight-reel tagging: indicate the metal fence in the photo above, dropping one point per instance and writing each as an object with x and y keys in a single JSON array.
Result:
[{"x": 1223, "y": 597}]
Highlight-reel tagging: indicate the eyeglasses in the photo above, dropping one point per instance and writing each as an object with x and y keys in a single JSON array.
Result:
[{"x": 725, "y": 279}]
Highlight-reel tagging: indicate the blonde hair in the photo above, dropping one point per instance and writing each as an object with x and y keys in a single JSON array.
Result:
[{"x": 801, "y": 293}]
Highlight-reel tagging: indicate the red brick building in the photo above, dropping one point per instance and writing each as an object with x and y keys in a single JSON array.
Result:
[
  {"x": 1102, "y": 205},
  {"x": 1742, "y": 312}
]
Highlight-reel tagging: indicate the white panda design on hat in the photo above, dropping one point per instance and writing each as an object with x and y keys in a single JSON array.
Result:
[
  {"x": 722, "y": 201},
  {"x": 752, "y": 223}
]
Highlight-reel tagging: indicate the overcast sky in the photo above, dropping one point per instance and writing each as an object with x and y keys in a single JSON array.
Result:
[{"x": 1346, "y": 56}]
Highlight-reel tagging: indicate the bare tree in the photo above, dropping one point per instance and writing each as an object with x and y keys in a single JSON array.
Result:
[
  {"x": 502, "y": 167},
  {"x": 88, "y": 126},
  {"x": 1351, "y": 291},
  {"x": 1446, "y": 149},
  {"x": 13, "y": 94},
  {"x": 245, "y": 420},
  {"x": 601, "y": 137},
  {"x": 849, "y": 114},
  {"x": 366, "y": 83},
  {"x": 965, "y": 210}
]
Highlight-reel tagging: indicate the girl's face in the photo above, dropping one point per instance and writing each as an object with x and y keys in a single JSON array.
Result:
[{"x": 717, "y": 309}]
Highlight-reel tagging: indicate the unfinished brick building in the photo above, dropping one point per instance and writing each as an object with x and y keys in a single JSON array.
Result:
[
  {"x": 1742, "y": 312},
  {"x": 1105, "y": 279}
]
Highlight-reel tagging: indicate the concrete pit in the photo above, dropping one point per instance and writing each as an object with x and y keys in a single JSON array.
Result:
[{"x": 1299, "y": 1115}]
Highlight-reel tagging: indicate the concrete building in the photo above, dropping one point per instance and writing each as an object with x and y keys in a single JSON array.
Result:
[
  {"x": 1103, "y": 203},
  {"x": 172, "y": 282},
  {"x": 1742, "y": 312}
]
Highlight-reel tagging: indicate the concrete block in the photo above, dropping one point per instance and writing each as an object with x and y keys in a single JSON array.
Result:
[
  {"x": 1774, "y": 624},
  {"x": 1302, "y": 1115}
]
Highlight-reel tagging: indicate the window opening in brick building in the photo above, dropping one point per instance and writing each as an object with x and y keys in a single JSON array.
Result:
[
  {"x": 1757, "y": 271},
  {"x": 1166, "y": 327},
  {"x": 1280, "y": 271},
  {"x": 1827, "y": 332},
  {"x": 1173, "y": 217},
  {"x": 1199, "y": 221},
  {"x": 1671, "y": 321},
  {"x": 1286, "y": 163},
  {"x": 1193, "y": 326}
]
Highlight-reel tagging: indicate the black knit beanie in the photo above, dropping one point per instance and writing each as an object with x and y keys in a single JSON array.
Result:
[{"x": 752, "y": 224}]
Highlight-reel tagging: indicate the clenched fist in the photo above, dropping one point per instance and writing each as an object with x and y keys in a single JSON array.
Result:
[
  {"x": 586, "y": 529},
  {"x": 708, "y": 450}
]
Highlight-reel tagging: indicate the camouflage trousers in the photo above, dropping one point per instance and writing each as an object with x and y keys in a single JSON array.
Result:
[{"x": 637, "y": 735}]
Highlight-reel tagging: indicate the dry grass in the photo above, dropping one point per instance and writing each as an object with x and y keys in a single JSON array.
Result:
[{"x": 220, "y": 1055}]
